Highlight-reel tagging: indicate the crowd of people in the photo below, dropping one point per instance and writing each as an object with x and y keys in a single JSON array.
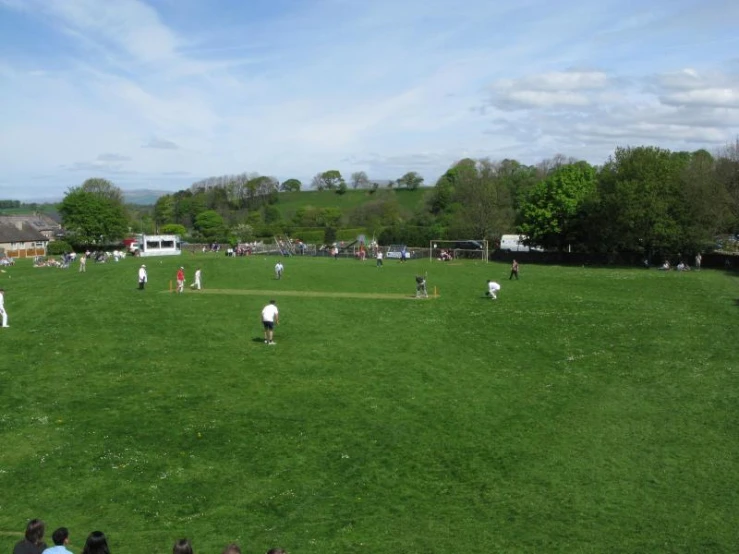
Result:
[{"x": 96, "y": 543}]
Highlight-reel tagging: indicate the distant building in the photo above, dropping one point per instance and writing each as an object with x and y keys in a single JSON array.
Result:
[
  {"x": 22, "y": 240},
  {"x": 44, "y": 224}
]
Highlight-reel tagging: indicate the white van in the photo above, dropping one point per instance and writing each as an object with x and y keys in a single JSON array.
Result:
[{"x": 515, "y": 243}]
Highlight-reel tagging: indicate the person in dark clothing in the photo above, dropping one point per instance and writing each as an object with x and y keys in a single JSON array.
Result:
[
  {"x": 33, "y": 543},
  {"x": 514, "y": 270},
  {"x": 96, "y": 544}
]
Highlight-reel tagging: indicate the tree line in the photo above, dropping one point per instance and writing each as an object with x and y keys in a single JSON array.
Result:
[{"x": 642, "y": 199}]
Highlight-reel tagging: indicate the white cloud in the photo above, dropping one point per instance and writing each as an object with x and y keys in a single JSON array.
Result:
[
  {"x": 383, "y": 86},
  {"x": 161, "y": 144},
  {"x": 113, "y": 158},
  {"x": 711, "y": 97},
  {"x": 547, "y": 90}
]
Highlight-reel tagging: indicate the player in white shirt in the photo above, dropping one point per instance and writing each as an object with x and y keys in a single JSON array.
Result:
[
  {"x": 196, "y": 284},
  {"x": 270, "y": 318},
  {"x": 493, "y": 288},
  {"x": 3, "y": 313},
  {"x": 143, "y": 278},
  {"x": 379, "y": 258},
  {"x": 278, "y": 270}
]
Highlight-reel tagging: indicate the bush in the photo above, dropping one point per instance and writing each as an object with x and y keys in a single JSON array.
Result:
[
  {"x": 312, "y": 236},
  {"x": 316, "y": 235},
  {"x": 173, "y": 229},
  {"x": 350, "y": 234},
  {"x": 58, "y": 247}
]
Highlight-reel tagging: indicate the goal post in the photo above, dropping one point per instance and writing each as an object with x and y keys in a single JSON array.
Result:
[{"x": 470, "y": 249}]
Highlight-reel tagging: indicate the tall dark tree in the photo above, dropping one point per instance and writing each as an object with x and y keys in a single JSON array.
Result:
[{"x": 641, "y": 205}]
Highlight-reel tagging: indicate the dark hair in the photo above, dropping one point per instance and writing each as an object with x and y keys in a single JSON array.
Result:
[
  {"x": 182, "y": 546},
  {"x": 96, "y": 544},
  {"x": 232, "y": 548},
  {"x": 60, "y": 535},
  {"x": 35, "y": 530},
  {"x": 273, "y": 302}
]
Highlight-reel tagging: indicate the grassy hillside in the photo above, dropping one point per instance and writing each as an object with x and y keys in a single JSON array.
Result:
[{"x": 291, "y": 201}]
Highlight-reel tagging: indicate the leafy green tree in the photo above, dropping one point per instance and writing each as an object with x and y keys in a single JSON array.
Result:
[
  {"x": 104, "y": 189},
  {"x": 485, "y": 207},
  {"x": 173, "y": 229},
  {"x": 93, "y": 218},
  {"x": 164, "y": 209},
  {"x": 360, "y": 180},
  {"x": 550, "y": 213},
  {"x": 641, "y": 204},
  {"x": 519, "y": 179},
  {"x": 291, "y": 185},
  {"x": 727, "y": 172},
  {"x": 708, "y": 209},
  {"x": 342, "y": 188},
  {"x": 411, "y": 180},
  {"x": 330, "y": 179},
  {"x": 210, "y": 225}
]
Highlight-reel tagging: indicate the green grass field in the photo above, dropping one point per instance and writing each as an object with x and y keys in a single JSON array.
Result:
[{"x": 586, "y": 410}]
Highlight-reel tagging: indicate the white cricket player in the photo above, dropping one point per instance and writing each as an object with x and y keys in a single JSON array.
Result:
[
  {"x": 493, "y": 289},
  {"x": 270, "y": 318},
  {"x": 279, "y": 268},
  {"x": 3, "y": 313},
  {"x": 196, "y": 284}
]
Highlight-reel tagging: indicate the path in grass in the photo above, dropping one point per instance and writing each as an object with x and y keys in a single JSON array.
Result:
[{"x": 309, "y": 293}]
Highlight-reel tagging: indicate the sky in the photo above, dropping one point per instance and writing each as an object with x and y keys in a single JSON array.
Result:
[{"x": 161, "y": 93}]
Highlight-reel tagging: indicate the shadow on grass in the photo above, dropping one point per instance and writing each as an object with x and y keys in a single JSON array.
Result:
[
  {"x": 258, "y": 339},
  {"x": 736, "y": 301}
]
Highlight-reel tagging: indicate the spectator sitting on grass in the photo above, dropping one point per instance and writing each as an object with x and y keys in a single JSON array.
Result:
[
  {"x": 61, "y": 540},
  {"x": 182, "y": 546},
  {"x": 96, "y": 544},
  {"x": 33, "y": 542}
]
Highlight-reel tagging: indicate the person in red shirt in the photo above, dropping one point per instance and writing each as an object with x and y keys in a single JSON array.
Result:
[{"x": 181, "y": 280}]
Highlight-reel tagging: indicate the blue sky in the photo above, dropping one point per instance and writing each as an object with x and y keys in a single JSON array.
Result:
[{"x": 160, "y": 93}]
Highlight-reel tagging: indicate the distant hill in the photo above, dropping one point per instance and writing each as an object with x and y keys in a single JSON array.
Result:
[{"x": 143, "y": 197}]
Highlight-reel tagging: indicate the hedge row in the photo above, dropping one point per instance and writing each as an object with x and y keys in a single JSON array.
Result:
[{"x": 313, "y": 235}]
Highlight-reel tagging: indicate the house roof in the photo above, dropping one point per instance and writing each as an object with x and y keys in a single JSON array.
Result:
[
  {"x": 42, "y": 222},
  {"x": 11, "y": 233}
]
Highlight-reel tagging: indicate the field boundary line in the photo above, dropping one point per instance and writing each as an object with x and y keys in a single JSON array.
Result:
[{"x": 309, "y": 294}]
